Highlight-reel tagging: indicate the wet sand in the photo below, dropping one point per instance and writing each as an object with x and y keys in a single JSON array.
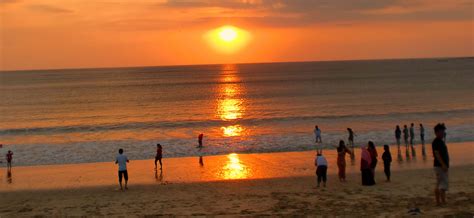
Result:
[{"x": 236, "y": 184}]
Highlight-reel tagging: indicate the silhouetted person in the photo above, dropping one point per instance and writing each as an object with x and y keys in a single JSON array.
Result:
[
  {"x": 122, "y": 161},
  {"x": 200, "y": 137},
  {"x": 317, "y": 134},
  {"x": 322, "y": 167},
  {"x": 351, "y": 141},
  {"x": 373, "y": 157},
  {"x": 341, "y": 160},
  {"x": 9, "y": 159},
  {"x": 366, "y": 171},
  {"x": 159, "y": 156},
  {"x": 422, "y": 138},
  {"x": 405, "y": 137},
  {"x": 398, "y": 136},
  {"x": 412, "y": 139},
  {"x": 441, "y": 164},
  {"x": 387, "y": 160}
]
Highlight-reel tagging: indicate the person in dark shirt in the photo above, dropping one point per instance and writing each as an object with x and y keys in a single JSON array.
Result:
[
  {"x": 387, "y": 160},
  {"x": 398, "y": 136},
  {"x": 422, "y": 138},
  {"x": 9, "y": 159},
  {"x": 351, "y": 142},
  {"x": 441, "y": 164},
  {"x": 412, "y": 139},
  {"x": 405, "y": 137}
]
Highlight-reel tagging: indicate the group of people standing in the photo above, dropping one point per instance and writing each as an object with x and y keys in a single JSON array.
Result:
[
  {"x": 368, "y": 163},
  {"x": 369, "y": 157},
  {"x": 409, "y": 139},
  {"x": 121, "y": 160}
]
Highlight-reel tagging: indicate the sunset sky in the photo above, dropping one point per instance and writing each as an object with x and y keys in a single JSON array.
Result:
[{"x": 44, "y": 34}]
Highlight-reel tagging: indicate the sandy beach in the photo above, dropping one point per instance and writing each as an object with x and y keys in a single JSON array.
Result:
[{"x": 235, "y": 184}]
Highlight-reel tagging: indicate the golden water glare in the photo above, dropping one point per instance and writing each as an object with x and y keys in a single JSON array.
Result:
[
  {"x": 234, "y": 169},
  {"x": 234, "y": 130},
  {"x": 230, "y": 104}
]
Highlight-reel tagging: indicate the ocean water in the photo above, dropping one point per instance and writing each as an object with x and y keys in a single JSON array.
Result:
[{"x": 85, "y": 115}]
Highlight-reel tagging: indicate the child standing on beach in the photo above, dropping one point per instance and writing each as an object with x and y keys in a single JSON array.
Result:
[
  {"x": 387, "y": 160},
  {"x": 322, "y": 166},
  {"x": 159, "y": 155},
  {"x": 9, "y": 159}
]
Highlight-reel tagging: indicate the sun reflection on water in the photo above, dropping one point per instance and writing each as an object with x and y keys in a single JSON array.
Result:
[
  {"x": 230, "y": 102},
  {"x": 234, "y": 169},
  {"x": 234, "y": 130},
  {"x": 230, "y": 109}
]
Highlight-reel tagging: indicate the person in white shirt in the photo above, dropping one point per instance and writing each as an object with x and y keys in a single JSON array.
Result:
[
  {"x": 122, "y": 161},
  {"x": 322, "y": 166},
  {"x": 317, "y": 134}
]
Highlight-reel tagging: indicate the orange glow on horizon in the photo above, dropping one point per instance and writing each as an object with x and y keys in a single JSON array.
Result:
[{"x": 52, "y": 34}]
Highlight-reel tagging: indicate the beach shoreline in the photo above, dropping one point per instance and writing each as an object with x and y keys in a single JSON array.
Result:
[
  {"x": 275, "y": 196},
  {"x": 210, "y": 168},
  {"x": 237, "y": 184}
]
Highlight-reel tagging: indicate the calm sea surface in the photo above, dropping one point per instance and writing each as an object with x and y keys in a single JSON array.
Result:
[{"x": 85, "y": 115}]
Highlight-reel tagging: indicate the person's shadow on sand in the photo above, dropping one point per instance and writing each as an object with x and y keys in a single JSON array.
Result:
[
  {"x": 9, "y": 176},
  {"x": 201, "y": 161}
]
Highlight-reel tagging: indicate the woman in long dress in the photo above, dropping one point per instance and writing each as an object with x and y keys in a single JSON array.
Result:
[
  {"x": 373, "y": 156},
  {"x": 365, "y": 169},
  {"x": 341, "y": 160}
]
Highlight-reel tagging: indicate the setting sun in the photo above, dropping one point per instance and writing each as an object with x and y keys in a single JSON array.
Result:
[
  {"x": 227, "y": 39},
  {"x": 228, "y": 34}
]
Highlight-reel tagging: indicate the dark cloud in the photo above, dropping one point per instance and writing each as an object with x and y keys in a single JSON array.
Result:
[
  {"x": 49, "y": 9},
  {"x": 306, "y": 12},
  {"x": 286, "y": 5}
]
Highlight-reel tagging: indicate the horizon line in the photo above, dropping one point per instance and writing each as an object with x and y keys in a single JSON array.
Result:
[{"x": 241, "y": 63}]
